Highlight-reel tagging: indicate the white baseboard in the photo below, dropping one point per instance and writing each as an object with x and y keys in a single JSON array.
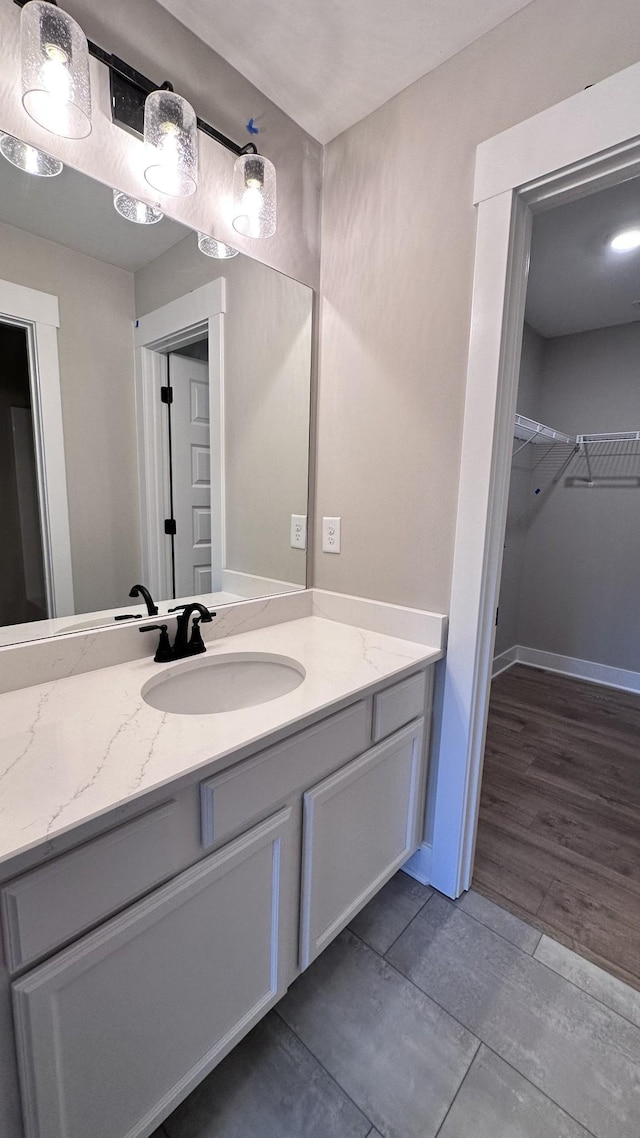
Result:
[
  {"x": 589, "y": 670},
  {"x": 419, "y": 865},
  {"x": 504, "y": 660}
]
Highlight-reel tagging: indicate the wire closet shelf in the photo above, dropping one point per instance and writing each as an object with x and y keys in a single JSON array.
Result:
[{"x": 606, "y": 459}]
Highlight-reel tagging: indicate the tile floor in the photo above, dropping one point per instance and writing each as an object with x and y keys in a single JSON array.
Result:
[{"x": 428, "y": 1018}]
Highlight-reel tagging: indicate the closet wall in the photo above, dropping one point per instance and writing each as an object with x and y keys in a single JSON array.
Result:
[{"x": 571, "y": 577}]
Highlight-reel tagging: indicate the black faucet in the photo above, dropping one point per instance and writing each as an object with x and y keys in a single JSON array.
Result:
[
  {"x": 183, "y": 645},
  {"x": 142, "y": 591}
]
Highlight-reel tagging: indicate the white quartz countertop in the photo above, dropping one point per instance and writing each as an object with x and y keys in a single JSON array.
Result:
[{"x": 76, "y": 748}]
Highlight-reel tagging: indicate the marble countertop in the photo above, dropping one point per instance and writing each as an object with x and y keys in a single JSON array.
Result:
[{"x": 76, "y": 748}]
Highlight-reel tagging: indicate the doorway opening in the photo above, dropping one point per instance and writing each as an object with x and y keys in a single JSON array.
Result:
[
  {"x": 22, "y": 574},
  {"x": 558, "y": 840},
  {"x": 572, "y": 150}
]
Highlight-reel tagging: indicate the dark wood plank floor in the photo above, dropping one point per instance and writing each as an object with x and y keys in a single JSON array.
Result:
[{"x": 559, "y": 834}]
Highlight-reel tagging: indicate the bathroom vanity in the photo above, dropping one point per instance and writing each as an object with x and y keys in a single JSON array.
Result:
[{"x": 165, "y": 877}]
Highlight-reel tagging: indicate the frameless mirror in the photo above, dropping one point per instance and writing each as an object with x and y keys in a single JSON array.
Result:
[{"x": 154, "y": 414}]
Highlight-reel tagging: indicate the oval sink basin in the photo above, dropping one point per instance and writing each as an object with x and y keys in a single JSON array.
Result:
[{"x": 223, "y": 683}]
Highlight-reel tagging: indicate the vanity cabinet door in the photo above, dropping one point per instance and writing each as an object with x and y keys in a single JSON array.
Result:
[
  {"x": 360, "y": 825},
  {"x": 116, "y": 1030}
]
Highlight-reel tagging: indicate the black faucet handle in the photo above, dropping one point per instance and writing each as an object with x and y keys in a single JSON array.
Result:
[
  {"x": 177, "y": 608},
  {"x": 196, "y": 643},
  {"x": 164, "y": 651}
]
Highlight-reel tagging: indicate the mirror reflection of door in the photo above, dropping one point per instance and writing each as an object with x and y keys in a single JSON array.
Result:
[
  {"x": 22, "y": 580},
  {"x": 190, "y": 476}
]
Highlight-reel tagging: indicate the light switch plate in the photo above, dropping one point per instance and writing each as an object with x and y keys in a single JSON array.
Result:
[
  {"x": 331, "y": 535},
  {"x": 298, "y": 531}
]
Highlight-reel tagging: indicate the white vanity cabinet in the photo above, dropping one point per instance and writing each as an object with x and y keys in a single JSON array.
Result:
[
  {"x": 271, "y": 858},
  {"x": 360, "y": 825},
  {"x": 132, "y": 1016}
]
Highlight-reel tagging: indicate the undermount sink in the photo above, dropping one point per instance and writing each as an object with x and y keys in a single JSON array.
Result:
[{"x": 223, "y": 683}]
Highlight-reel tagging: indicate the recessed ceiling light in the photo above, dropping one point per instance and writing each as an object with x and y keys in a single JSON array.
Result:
[{"x": 625, "y": 241}]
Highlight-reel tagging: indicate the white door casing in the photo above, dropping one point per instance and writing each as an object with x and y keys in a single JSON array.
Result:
[
  {"x": 184, "y": 321},
  {"x": 585, "y": 143},
  {"x": 37, "y": 312}
]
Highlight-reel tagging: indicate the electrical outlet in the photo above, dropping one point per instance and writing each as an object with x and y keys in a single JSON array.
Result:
[
  {"x": 298, "y": 531},
  {"x": 331, "y": 535}
]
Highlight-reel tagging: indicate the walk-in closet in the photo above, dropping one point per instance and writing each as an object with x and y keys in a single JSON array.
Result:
[{"x": 559, "y": 833}]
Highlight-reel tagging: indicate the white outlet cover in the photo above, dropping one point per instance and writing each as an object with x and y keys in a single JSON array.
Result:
[
  {"x": 331, "y": 535},
  {"x": 298, "y": 531}
]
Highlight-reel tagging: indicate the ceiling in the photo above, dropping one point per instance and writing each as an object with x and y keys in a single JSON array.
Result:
[
  {"x": 328, "y": 63},
  {"x": 75, "y": 211},
  {"x": 576, "y": 283}
]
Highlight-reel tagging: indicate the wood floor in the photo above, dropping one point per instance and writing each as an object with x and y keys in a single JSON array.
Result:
[{"x": 559, "y": 834}]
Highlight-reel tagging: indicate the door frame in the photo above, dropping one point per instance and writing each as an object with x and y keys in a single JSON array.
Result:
[
  {"x": 38, "y": 313},
  {"x": 167, "y": 329},
  {"x": 583, "y": 144}
]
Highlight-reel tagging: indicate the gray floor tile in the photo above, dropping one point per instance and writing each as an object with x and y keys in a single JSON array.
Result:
[
  {"x": 398, "y": 1055},
  {"x": 506, "y": 924},
  {"x": 600, "y": 984},
  {"x": 582, "y": 1055},
  {"x": 389, "y": 913},
  {"x": 269, "y": 1085},
  {"x": 496, "y": 1102}
]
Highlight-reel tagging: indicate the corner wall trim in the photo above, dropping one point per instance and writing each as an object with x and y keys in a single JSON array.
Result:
[
  {"x": 589, "y": 670},
  {"x": 504, "y": 660},
  {"x": 419, "y": 865}
]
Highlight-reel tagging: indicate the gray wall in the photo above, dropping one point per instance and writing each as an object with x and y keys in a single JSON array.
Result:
[
  {"x": 397, "y": 263},
  {"x": 581, "y": 586},
  {"x": 572, "y": 584},
  {"x": 267, "y": 389},
  {"x": 95, "y": 349}
]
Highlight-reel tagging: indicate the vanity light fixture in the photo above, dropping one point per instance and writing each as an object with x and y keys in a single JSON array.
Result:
[
  {"x": 213, "y": 248},
  {"x": 56, "y": 91},
  {"x": 134, "y": 210},
  {"x": 171, "y": 138},
  {"x": 254, "y": 196},
  {"x": 29, "y": 158},
  {"x": 57, "y": 94},
  {"x": 625, "y": 241}
]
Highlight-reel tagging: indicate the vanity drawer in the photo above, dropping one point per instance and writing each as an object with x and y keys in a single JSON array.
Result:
[
  {"x": 56, "y": 902},
  {"x": 235, "y": 798},
  {"x": 400, "y": 704}
]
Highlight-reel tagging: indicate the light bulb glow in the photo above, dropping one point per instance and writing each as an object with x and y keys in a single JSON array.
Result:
[
  {"x": 134, "y": 210},
  {"x": 626, "y": 241},
  {"x": 56, "y": 89},
  {"x": 28, "y": 158},
  {"x": 254, "y": 193},
  {"x": 213, "y": 248},
  {"x": 171, "y": 139}
]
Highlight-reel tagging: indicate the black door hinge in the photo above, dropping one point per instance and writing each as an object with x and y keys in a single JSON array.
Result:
[
  {"x": 166, "y": 394},
  {"x": 497, "y": 611},
  {"x": 170, "y": 526}
]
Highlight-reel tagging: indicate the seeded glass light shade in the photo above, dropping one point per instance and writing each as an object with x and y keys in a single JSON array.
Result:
[
  {"x": 56, "y": 92},
  {"x": 171, "y": 138},
  {"x": 254, "y": 196},
  {"x": 28, "y": 158},
  {"x": 134, "y": 210},
  {"x": 212, "y": 248}
]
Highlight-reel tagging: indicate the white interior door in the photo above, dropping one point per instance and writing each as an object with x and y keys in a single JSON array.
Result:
[{"x": 191, "y": 468}]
